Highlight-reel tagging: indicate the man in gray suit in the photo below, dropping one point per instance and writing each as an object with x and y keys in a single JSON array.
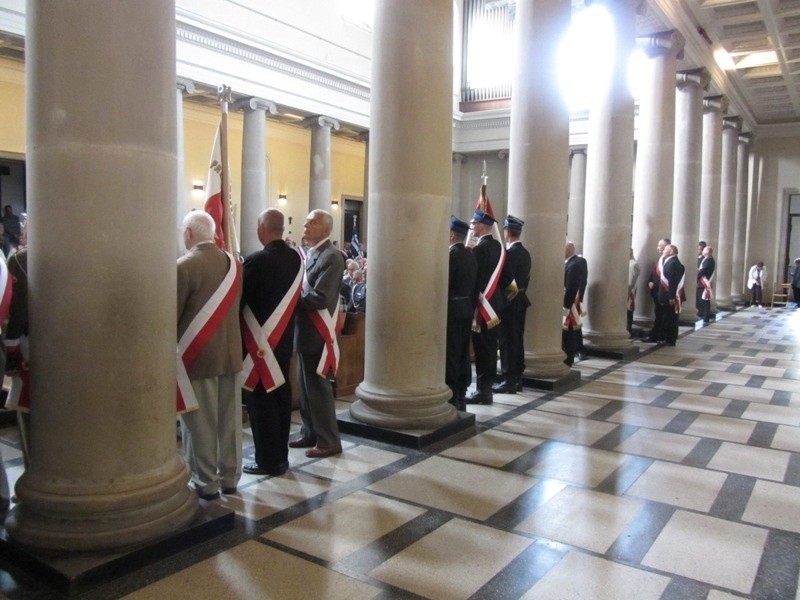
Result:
[
  {"x": 315, "y": 338},
  {"x": 210, "y": 355}
]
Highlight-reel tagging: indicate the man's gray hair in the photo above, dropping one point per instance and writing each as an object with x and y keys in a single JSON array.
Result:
[{"x": 201, "y": 225}]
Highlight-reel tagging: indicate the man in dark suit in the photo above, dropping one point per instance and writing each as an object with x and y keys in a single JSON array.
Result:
[
  {"x": 272, "y": 281},
  {"x": 512, "y": 319},
  {"x": 576, "y": 275},
  {"x": 315, "y": 338},
  {"x": 491, "y": 283},
  {"x": 652, "y": 284},
  {"x": 705, "y": 275},
  {"x": 461, "y": 298},
  {"x": 670, "y": 294},
  {"x": 212, "y": 423}
]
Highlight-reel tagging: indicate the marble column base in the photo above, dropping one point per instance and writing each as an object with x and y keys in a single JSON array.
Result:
[
  {"x": 60, "y": 515},
  {"x": 403, "y": 409},
  {"x": 545, "y": 365},
  {"x": 607, "y": 341},
  {"x": 739, "y": 299}
]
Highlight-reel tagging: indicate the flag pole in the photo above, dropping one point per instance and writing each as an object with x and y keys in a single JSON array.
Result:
[{"x": 224, "y": 100}]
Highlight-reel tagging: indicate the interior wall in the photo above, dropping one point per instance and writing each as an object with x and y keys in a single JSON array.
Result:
[{"x": 288, "y": 154}]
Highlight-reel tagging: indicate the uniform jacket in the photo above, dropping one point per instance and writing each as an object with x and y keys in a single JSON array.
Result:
[
  {"x": 576, "y": 274},
  {"x": 487, "y": 255},
  {"x": 324, "y": 268},
  {"x": 268, "y": 274},
  {"x": 461, "y": 294},
  {"x": 518, "y": 268},
  {"x": 200, "y": 272}
]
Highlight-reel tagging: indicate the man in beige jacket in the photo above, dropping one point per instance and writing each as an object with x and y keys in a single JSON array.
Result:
[{"x": 210, "y": 355}]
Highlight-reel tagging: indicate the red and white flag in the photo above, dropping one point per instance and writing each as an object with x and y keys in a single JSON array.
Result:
[{"x": 214, "y": 205}]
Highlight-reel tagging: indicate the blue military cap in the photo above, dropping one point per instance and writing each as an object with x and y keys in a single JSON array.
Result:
[
  {"x": 513, "y": 223},
  {"x": 458, "y": 225},
  {"x": 481, "y": 217}
]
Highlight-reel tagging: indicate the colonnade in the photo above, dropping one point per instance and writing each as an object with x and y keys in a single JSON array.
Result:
[{"x": 110, "y": 400}]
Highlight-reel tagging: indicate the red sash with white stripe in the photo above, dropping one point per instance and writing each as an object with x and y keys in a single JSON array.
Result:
[
  {"x": 326, "y": 325},
  {"x": 484, "y": 313},
  {"x": 679, "y": 295},
  {"x": 631, "y": 301},
  {"x": 572, "y": 320},
  {"x": 202, "y": 328},
  {"x": 260, "y": 363},
  {"x": 19, "y": 396},
  {"x": 706, "y": 283}
]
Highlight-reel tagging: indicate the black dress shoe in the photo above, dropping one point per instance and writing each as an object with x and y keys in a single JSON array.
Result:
[
  {"x": 208, "y": 497},
  {"x": 505, "y": 388},
  {"x": 229, "y": 491},
  {"x": 303, "y": 442},
  {"x": 254, "y": 469},
  {"x": 480, "y": 398}
]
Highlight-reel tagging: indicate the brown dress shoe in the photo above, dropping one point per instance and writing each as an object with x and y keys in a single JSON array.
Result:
[
  {"x": 318, "y": 452},
  {"x": 303, "y": 442}
]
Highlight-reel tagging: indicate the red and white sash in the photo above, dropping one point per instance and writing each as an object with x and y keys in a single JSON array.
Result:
[
  {"x": 631, "y": 300},
  {"x": 679, "y": 294},
  {"x": 260, "y": 363},
  {"x": 572, "y": 320},
  {"x": 202, "y": 329},
  {"x": 19, "y": 396},
  {"x": 484, "y": 313},
  {"x": 5, "y": 290},
  {"x": 706, "y": 283},
  {"x": 325, "y": 324}
]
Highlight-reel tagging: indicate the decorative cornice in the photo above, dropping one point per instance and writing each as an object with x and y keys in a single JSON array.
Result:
[
  {"x": 320, "y": 121},
  {"x": 254, "y": 103},
  {"x": 734, "y": 123},
  {"x": 693, "y": 77},
  {"x": 185, "y": 85},
  {"x": 715, "y": 104},
  {"x": 488, "y": 123},
  {"x": 227, "y": 47},
  {"x": 662, "y": 43}
]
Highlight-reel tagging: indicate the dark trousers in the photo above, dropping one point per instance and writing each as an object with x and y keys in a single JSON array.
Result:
[
  {"x": 317, "y": 404},
  {"x": 756, "y": 294},
  {"x": 485, "y": 345},
  {"x": 703, "y": 306},
  {"x": 796, "y": 292},
  {"x": 658, "y": 323},
  {"x": 270, "y": 420},
  {"x": 571, "y": 343},
  {"x": 458, "y": 372},
  {"x": 510, "y": 337},
  {"x": 669, "y": 328}
]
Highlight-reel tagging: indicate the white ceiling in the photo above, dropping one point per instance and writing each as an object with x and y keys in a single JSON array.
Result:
[{"x": 766, "y": 97}]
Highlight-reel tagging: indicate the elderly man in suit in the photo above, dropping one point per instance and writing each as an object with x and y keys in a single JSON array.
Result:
[
  {"x": 512, "y": 320},
  {"x": 576, "y": 274},
  {"x": 705, "y": 275},
  {"x": 273, "y": 278},
  {"x": 670, "y": 293},
  {"x": 461, "y": 297},
  {"x": 209, "y": 288},
  {"x": 315, "y": 338}
]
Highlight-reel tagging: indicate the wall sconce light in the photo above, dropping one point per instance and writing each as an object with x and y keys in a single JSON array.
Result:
[
  {"x": 197, "y": 188},
  {"x": 282, "y": 199},
  {"x": 334, "y": 203}
]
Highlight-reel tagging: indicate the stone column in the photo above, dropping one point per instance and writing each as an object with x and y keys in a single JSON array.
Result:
[
  {"x": 184, "y": 87},
  {"x": 319, "y": 191},
  {"x": 655, "y": 156},
  {"x": 409, "y": 200},
  {"x": 254, "y": 169},
  {"x": 740, "y": 219},
  {"x": 455, "y": 204},
  {"x": 539, "y": 143},
  {"x": 731, "y": 126},
  {"x": 362, "y": 226},
  {"x": 713, "y": 109},
  {"x": 686, "y": 201},
  {"x": 104, "y": 471},
  {"x": 609, "y": 187},
  {"x": 577, "y": 197}
]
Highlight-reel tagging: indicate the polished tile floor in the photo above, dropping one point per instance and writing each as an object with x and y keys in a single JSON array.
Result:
[{"x": 675, "y": 475}]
